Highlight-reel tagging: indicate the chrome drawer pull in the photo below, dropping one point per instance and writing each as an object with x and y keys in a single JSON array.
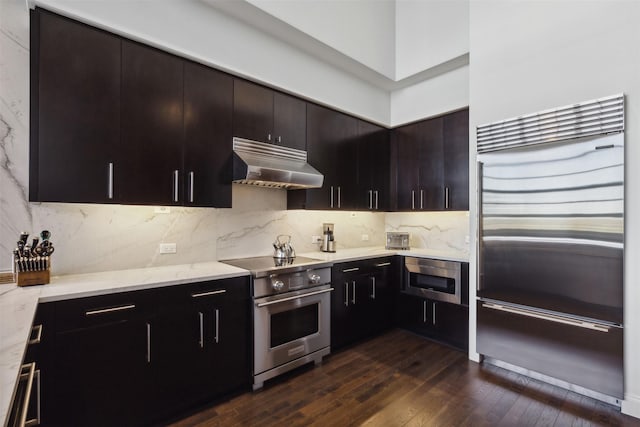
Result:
[
  {"x": 201, "y": 318},
  {"x": 110, "y": 310},
  {"x": 38, "y": 337},
  {"x": 349, "y": 270},
  {"x": 549, "y": 317},
  {"x": 206, "y": 294},
  {"x": 382, "y": 264}
]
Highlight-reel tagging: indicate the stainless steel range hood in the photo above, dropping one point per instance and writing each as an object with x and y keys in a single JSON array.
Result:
[{"x": 273, "y": 166}]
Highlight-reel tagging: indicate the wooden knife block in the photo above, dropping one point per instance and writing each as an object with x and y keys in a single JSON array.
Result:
[{"x": 28, "y": 278}]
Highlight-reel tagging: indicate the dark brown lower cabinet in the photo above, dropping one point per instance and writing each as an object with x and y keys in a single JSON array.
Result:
[
  {"x": 440, "y": 321},
  {"x": 140, "y": 358},
  {"x": 362, "y": 300}
]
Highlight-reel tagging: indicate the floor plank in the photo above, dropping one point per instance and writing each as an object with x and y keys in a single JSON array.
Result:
[{"x": 401, "y": 379}]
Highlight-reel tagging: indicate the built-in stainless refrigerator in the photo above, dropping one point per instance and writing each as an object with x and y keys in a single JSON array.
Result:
[{"x": 551, "y": 242}]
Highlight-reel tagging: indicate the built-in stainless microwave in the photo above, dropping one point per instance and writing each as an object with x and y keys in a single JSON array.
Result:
[{"x": 435, "y": 279}]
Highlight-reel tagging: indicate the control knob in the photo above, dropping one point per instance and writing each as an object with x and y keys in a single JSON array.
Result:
[
  {"x": 277, "y": 285},
  {"x": 314, "y": 278}
]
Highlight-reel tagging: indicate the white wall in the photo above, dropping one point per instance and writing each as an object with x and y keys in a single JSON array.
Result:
[
  {"x": 196, "y": 30},
  {"x": 532, "y": 55},
  {"x": 429, "y": 33},
  {"x": 362, "y": 30},
  {"x": 440, "y": 94}
]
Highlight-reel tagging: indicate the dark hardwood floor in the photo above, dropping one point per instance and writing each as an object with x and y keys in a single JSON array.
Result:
[{"x": 400, "y": 379}]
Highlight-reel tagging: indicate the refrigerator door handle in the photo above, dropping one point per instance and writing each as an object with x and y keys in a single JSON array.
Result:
[
  {"x": 479, "y": 233},
  {"x": 549, "y": 317}
]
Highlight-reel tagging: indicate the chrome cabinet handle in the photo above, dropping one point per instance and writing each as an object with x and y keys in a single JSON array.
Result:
[
  {"x": 446, "y": 197},
  {"x": 175, "y": 185},
  {"x": 424, "y": 311},
  {"x": 38, "y": 419},
  {"x": 373, "y": 287},
  {"x": 216, "y": 338},
  {"x": 268, "y": 137},
  {"x": 38, "y": 338},
  {"x": 191, "y": 184},
  {"x": 110, "y": 181},
  {"x": 382, "y": 264},
  {"x": 278, "y": 301},
  {"x": 339, "y": 198},
  {"x": 413, "y": 199},
  {"x": 376, "y": 194},
  {"x": 29, "y": 376},
  {"x": 433, "y": 306},
  {"x": 549, "y": 317},
  {"x": 109, "y": 310},
  {"x": 148, "y": 342},
  {"x": 353, "y": 297},
  {"x": 208, "y": 293},
  {"x": 370, "y": 199},
  {"x": 346, "y": 294},
  {"x": 201, "y": 318},
  {"x": 421, "y": 199},
  {"x": 279, "y": 139},
  {"x": 331, "y": 204},
  {"x": 349, "y": 270}
]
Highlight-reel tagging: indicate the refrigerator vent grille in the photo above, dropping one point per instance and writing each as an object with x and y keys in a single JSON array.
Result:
[{"x": 590, "y": 118}]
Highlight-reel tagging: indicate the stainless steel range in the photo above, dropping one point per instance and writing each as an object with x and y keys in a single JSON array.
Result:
[{"x": 291, "y": 312}]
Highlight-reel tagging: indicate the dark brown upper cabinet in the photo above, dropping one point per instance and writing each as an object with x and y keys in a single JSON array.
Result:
[
  {"x": 150, "y": 166},
  {"x": 373, "y": 167},
  {"x": 332, "y": 150},
  {"x": 432, "y": 163},
  {"x": 75, "y": 110},
  {"x": 262, "y": 114},
  {"x": 208, "y": 114},
  {"x": 115, "y": 121},
  {"x": 456, "y": 160}
]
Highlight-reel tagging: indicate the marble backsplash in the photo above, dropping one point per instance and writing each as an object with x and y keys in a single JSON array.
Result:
[{"x": 91, "y": 238}]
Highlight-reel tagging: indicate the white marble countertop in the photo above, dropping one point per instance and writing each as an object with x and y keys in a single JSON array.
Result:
[{"x": 18, "y": 305}]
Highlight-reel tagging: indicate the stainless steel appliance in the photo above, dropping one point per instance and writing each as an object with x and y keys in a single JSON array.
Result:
[
  {"x": 292, "y": 313},
  {"x": 551, "y": 241},
  {"x": 435, "y": 279},
  {"x": 397, "y": 240},
  {"x": 275, "y": 166},
  {"x": 282, "y": 249},
  {"x": 328, "y": 241}
]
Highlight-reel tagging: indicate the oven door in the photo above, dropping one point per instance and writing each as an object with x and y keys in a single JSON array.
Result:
[{"x": 291, "y": 325}]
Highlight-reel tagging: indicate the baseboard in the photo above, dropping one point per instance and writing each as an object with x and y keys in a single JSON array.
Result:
[{"x": 631, "y": 406}]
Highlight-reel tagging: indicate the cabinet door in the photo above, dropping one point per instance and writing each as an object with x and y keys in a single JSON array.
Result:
[
  {"x": 341, "y": 325},
  {"x": 152, "y": 127},
  {"x": 230, "y": 336},
  {"x": 456, "y": 160},
  {"x": 102, "y": 375},
  {"x": 431, "y": 195},
  {"x": 407, "y": 140},
  {"x": 451, "y": 323},
  {"x": 373, "y": 167},
  {"x": 208, "y": 103},
  {"x": 252, "y": 111},
  {"x": 75, "y": 121},
  {"x": 413, "y": 313},
  {"x": 290, "y": 121}
]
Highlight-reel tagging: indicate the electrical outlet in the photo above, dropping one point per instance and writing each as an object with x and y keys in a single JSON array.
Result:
[
  {"x": 353, "y": 214},
  {"x": 365, "y": 237},
  {"x": 316, "y": 239},
  {"x": 168, "y": 248},
  {"x": 466, "y": 239},
  {"x": 162, "y": 209}
]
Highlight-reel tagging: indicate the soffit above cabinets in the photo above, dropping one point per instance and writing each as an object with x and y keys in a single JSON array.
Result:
[{"x": 384, "y": 70}]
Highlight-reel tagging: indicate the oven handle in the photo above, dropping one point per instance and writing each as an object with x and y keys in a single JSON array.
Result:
[{"x": 264, "y": 304}]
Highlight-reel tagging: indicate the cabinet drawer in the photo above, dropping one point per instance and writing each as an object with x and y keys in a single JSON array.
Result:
[
  {"x": 588, "y": 357},
  {"x": 232, "y": 289},
  {"x": 98, "y": 310}
]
